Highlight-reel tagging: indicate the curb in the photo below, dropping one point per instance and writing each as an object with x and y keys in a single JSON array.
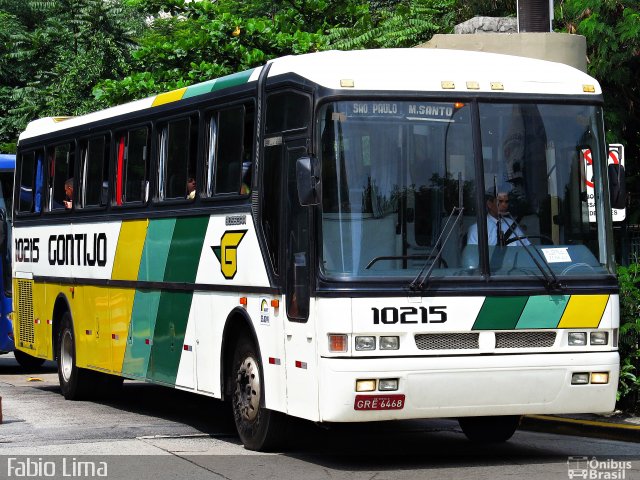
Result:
[{"x": 582, "y": 428}]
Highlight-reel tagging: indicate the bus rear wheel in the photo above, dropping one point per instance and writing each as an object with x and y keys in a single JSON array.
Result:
[
  {"x": 27, "y": 361},
  {"x": 489, "y": 429},
  {"x": 258, "y": 427}
]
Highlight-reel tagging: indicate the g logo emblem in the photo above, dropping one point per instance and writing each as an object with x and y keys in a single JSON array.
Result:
[{"x": 227, "y": 254}]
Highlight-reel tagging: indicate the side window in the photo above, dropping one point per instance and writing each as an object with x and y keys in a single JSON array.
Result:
[
  {"x": 132, "y": 166},
  {"x": 61, "y": 182},
  {"x": 94, "y": 157},
  {"x": 31, "y": 182},
  {"x": 230, "y": 151},
  {"x": 271, "y": 191},
  {"x": 178, "y": 144},
  {"x": 287, "y": 111}
]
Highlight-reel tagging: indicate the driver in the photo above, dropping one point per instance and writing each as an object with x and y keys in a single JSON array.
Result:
[{"x": 501, "y": 229}]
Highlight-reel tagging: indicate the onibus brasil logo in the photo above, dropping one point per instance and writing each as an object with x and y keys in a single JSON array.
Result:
[{"x": 227, "y": 252}]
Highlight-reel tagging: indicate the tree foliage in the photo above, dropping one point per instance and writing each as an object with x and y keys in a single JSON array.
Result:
[{"x": 612, "y": 30}]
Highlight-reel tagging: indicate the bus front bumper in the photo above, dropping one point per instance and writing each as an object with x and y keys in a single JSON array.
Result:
[{"x": 431, "y": 387}]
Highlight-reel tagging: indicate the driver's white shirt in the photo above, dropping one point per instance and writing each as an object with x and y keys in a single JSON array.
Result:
[{"x": 492, "y": 232}]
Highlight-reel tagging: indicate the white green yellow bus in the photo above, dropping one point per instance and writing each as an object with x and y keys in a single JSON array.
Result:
[{"x": 313, "y": 238}]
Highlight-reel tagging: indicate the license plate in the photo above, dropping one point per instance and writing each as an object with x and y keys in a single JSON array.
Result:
[{"x": 379, "y": 402}]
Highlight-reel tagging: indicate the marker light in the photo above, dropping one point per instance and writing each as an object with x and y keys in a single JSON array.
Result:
[
  {"x": 337, "y": 343},
  {"x": 600, "y": 378},
  {"x": 365, "y": 343},
  {"x": 599, "y": 338},
  {"x": 580, "y": 379},
  {"x": 389, "y": 343},
  {"x": 577, "y": 339},
  {"x": 365, "y": 385},
  {"x": 388, "y": 384}
]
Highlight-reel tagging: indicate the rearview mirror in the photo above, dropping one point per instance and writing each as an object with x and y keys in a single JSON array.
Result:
[
  {"x": 617, "y": 186},
  {"x": 308, "y": 180}
]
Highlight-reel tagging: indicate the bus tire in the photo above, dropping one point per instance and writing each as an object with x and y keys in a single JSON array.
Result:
[
  {"x": 259, "y": 428},
  {"x": 76, "y": 383},
  {"x": 489, "y": 429},
  {"x": 27, "y": 361}
]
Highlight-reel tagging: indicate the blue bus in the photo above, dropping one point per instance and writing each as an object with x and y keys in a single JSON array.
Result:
[{"x": 7, "y": 168}]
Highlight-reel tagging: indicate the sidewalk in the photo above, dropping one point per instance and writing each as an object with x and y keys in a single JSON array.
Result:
[{"x": 613, "y": 426}]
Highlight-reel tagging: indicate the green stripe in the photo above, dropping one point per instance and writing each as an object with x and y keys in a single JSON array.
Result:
[
  {"x": 185, "y": 250},
  {"x": 543, "y": 311},
  {"x": 156, "y": 249},
  {"x": 168, "y": 337},
  {"x": 143, "y": 320},
  {"x": 500, "y": 313},
  {"x": 218, "y": 84}
]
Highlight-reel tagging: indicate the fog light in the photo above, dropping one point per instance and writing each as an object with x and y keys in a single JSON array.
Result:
[
  {"x": 388, "y": 384},
  {"x": 599, "y": 338},
  {"x": 337, "y": 343},
  {"x": 389, "y": 343},
  {"x": 365, "y": 343},
  {"x": 580, "y": 379},
  {"x": 600, "y": 378},
  {"x": 577, "y": 339},
  {"x": 365, "y": 385}
]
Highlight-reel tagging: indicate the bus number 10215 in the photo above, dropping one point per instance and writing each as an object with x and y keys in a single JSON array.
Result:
[{"x": 391, "y": 315}]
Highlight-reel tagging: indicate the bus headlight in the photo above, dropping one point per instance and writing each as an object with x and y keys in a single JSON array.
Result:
[
  {"x": 365, "y": 343},
  {"x": 577, "y": 339},
  {"x": 389, "y": 343},
  {"x": 599, "y": 338},
  {"x": 388, "y": 384}
]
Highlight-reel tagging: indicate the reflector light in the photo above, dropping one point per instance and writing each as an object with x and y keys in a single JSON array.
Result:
[
  {"x": 447, "y": 85},
  {"x": 600, "y": 378},
  {"x": 458, "y": 105},
  {"x": 577, "y": 339},
  {"x": 389, "y": 343},
  {"x": 275, "y": 303},
  {"x": 599, "y": 338},
  {"x": 243, "y": 301},
  {"x": 588, "y": 88},
  {"x": 347, "y": 82},
  {"x": 365, "y": 385},
  {"x": 473, "y": 86},
  {"x": 580, "y": 379},
  {"x": 274, "y": 361},
  {"x": 337, "y": 343},
  {"x": 365, "y": 343},
  {"x": 300, "y": 364},
  {"x": 388, "y": 384}
]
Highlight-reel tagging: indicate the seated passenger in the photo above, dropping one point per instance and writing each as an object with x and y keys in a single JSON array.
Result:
[
  {"x": 498, "y": 216},
  {"x": 68, "y": 194}
]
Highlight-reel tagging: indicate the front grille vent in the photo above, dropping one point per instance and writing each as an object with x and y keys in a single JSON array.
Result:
[
  {"x": 25, "y": 311},
  {"x": 525, "y": 339},
  {"x": 447, "y": 341}
]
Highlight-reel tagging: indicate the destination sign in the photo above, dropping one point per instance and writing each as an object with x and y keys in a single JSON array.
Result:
[{"x": 409, "y": 110}]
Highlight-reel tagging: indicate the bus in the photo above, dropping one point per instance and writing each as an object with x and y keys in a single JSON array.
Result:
[{"x": 312, "y": 238}]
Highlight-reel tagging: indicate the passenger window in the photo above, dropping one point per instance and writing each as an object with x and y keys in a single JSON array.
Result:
[
  {"x": 61, "y": 182},
  {"x": 31, "y": 182},
  {"x": 287, "y": 111},
  {"x": 178, "y": 144},
  {"x": 94, "y": 187},
  {"x": 230, "y": 151},
  {"x": 132, "y": 167}
]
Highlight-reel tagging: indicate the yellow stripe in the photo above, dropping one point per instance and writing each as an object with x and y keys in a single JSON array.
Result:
[
  {"x": 129, "y": 250},
  {"x": 121, "y": 306},
  {"x": 169, "y": 97},
  {"x": 584, "y": 311},
  {"x": 585, "y": 422}
]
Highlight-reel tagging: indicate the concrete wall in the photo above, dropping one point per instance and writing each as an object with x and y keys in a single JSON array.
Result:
[{"x": 556, "y": 47}]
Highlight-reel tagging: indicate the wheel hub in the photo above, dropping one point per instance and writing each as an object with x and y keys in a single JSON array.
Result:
[
  {"x": 248, "y": 389},
  {"x": 66, "y": 357}
]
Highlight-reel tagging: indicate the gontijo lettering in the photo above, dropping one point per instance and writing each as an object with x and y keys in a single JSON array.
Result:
[{"x": 78, "y": 249}]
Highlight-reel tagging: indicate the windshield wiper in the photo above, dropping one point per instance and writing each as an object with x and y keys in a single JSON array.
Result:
[
  {"x": 551, "y": 280},
  {"x": 418, "y": 282}
]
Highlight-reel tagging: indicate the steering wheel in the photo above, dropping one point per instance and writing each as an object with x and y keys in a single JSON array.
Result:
[{"x": 544, "y": 238}]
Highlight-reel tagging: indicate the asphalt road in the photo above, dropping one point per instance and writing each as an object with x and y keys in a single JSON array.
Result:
[{"x": 159, "y": 433}]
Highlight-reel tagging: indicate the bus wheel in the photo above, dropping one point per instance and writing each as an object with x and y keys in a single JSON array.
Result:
[
  {"x": 27, "y": 361},
  {"x": 75, "y": 382},
  {"x": 489, "y": 429},
  {"x": 259, "y": 428}
]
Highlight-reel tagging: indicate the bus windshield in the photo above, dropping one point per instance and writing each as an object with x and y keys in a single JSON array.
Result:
[{"x": 394, "y": 171}]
